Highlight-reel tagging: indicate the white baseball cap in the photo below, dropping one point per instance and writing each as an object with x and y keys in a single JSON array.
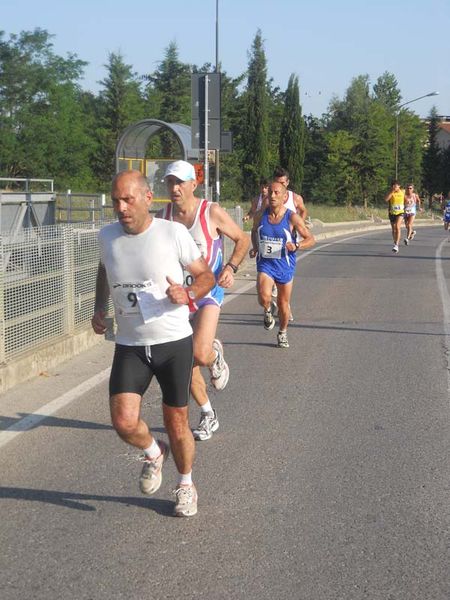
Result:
[{"x": 182, "y": 170}]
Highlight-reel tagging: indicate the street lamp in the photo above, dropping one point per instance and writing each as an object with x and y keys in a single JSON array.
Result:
[{"x": 396, "y": 125}]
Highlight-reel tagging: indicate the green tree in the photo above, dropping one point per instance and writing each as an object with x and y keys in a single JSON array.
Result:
[
  {"x": 43, "y": 132},
  {"x": 340, "y": 182},
  {"x": 120, "y": 105},
  {"x": 370, "y": 126},
  {"x": 386, "y": 91},
  {"x": 411, "y": 141},
  {"x": 232, "y": 118},
  {"x": 169, "y": 93},
  {"x": 255, "y": 154},
  {"x": 292, "y": 136},
  {"x": 316, "y": 153},
  {"x": 432, "y": 157},
  {"x": 276, "y": 100}
]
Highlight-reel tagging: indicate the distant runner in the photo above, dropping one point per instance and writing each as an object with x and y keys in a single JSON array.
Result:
[
  {"x": 446, "y": 212},
  {"x": 412, "y": 204},
  {"x": 396, "y": 200}
]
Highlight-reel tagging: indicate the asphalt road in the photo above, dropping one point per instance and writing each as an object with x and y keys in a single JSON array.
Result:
[{"x": 328, "y": 478}]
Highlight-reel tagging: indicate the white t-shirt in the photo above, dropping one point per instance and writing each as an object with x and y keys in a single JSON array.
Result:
[{"x": 137, "y": 267}]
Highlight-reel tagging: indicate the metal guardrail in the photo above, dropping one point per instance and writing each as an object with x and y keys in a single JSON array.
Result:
[
  {"x": 25, "y": 184},
  {"x": 47, "y": 283}
]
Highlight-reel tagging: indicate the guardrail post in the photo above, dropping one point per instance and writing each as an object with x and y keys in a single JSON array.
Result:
[
  {"x": 68, "y": 276},
  {"x": 69, "y": 206}
]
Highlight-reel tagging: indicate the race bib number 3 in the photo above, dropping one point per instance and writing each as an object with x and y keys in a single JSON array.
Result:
[{"x": 270, "y": 248}]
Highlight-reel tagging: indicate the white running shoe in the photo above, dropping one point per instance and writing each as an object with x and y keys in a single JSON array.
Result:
[
  {"x": 151, "y": 475},
  {"x": 209, "y": 423},
  {"x": 269, "y": 321},
  {"x": 395, "y": 248},
  {"x": 413, "y": 234},
  {"x": 185, "y": 501},
  {"x": 282, "y": 339},
  {"x": 220, "y": 372},
  {"x": 406, "y": 241},
  {"x": 274, "y": 291}
]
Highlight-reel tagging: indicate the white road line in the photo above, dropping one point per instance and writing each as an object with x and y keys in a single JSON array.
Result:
[
  {"x": 49, "y": 409},
  {"x": 445, "y": 299}
]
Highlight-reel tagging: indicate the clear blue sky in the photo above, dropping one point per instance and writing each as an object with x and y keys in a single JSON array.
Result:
[{"x": 325, "y": 42}]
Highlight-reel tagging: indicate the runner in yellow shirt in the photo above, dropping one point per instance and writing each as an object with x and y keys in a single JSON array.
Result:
[{"x": 396, "y": 200}]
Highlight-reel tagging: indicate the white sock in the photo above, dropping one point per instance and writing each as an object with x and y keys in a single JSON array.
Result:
[
  {"x": 153, "y": 451},
  {"x": 206, "y": 408},
  {"x": 185, "y": 478}
]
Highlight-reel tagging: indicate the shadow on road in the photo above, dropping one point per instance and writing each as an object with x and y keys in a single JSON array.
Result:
[
  {"x": 12, "y": 423},
  {"x": 80, "y": 501}
]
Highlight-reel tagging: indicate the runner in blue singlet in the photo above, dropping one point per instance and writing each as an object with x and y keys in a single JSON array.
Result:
[{"x": 275, "y": 248}]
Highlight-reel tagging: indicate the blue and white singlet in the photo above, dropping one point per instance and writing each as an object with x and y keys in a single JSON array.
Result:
[{"x": 273, "y": 258}]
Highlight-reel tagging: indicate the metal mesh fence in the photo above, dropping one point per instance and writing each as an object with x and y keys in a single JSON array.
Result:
[{"x": 47, "y": 283}]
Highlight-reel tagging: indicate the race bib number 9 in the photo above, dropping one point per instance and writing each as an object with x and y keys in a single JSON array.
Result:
[
  {"x": 270, "y": 248},
  {"x": 145, "y": 299}
]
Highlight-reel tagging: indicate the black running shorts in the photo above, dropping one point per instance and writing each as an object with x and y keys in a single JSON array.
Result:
[
  {"x": 171, "y": 363},
  {"x": 393, "y": 218}
]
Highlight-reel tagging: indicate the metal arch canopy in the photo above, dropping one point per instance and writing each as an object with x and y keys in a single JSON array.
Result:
[{"x": 134, "y": 140}]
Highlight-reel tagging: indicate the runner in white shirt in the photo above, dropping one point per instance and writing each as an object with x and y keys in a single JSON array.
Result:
[
  {"x": 294, "y": 201},
  {"x": 141, "y": 265},
  {"x": 412, "y": 203}
]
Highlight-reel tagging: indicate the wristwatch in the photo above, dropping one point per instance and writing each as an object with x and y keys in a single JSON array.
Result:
[
  {"x": 234, "y": 268},
  {"x": 297, "y": 245}
]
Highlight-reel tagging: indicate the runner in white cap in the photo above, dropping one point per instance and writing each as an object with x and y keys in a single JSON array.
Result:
[{"x": 207, "y": 222}]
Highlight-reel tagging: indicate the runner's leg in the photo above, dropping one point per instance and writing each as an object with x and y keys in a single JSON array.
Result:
[
  {"x": 284, "y": 298},
  {"x": 125, "y": 417},
  {"x": 264, "y": 285}
]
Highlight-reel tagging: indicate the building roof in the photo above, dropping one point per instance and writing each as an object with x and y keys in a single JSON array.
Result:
[{"x": 445, "y": 127}]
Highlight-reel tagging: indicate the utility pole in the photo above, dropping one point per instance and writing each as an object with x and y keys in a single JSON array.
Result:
[{"x": 217, "y": 71}]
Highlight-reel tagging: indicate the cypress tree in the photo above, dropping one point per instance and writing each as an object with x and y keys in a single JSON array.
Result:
[
  {"x": 432, "y": 157},
  {"x": 292, "y": 135},
  {"x": 255, "y": 139}
]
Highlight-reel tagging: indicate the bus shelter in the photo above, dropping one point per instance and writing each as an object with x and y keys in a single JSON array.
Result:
[{"x": 132, "y": 150}]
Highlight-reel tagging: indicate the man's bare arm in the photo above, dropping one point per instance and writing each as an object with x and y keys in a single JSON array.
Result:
[
  {"x": 203, "y": 282},
  {"x": 225, "y": 225},
  {"x": 101, "y": 300},
  {"x": 300, "y": 206}
]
